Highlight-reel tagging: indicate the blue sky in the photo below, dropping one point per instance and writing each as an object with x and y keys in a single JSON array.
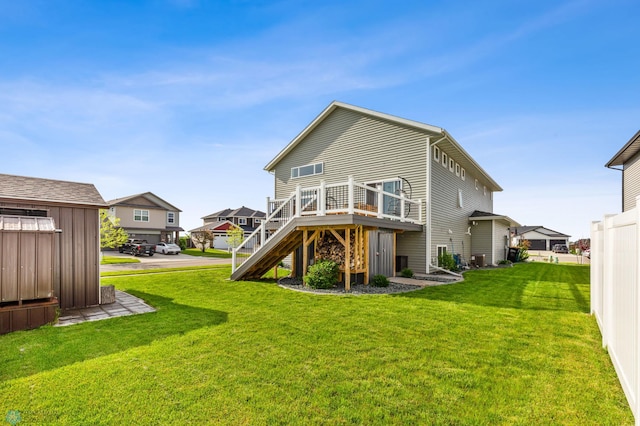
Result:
[{"x": 190, "y": 99}]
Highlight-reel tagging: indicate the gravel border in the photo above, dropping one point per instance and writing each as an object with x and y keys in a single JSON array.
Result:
[{"x": 296, "y": 284}]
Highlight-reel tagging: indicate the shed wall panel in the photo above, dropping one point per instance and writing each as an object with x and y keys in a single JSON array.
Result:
[
  {"x": 44, "y": 265},
  {"x": 92, "y": 258},
  {"x": 500, "y": 241},
  {"x": 10, "y": 267},
  {"x": 67, "y": 261},
  {"x": 27, "y": 260},
  {"x": 80, "y": 257}
]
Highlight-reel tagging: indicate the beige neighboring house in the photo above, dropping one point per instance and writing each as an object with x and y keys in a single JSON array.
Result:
[
  {"x": 147, "y": 217},
  {"x": 394, "y": 192},
  {"x": 627, "y": 160}
]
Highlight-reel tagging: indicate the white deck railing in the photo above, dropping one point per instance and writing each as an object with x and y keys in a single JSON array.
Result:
[
  {"x": 339, "y": 198},
  {"x": 615, "y": 296}
]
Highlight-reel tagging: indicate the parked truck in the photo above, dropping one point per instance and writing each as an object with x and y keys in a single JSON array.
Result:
[{"x": 137, "y": 248}]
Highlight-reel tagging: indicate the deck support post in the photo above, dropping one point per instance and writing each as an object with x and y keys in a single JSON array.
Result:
[{"x": 347, "y": 259}]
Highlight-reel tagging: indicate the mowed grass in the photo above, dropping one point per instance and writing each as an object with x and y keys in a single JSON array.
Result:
[
  {"x": 113, "y": 260},
  {"x": 222, "y": 254},
  {"x": 507, "y": 346}
]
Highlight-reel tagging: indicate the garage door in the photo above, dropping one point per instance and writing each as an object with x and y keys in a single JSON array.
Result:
[
  {"x": 537, "y": 244},
  {"x": 554, "y": 242}
]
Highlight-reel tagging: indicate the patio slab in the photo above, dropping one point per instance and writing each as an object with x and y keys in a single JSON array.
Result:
[{"x": 124, "y": 305}]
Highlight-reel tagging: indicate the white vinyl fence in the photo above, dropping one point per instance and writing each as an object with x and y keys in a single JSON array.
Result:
[{"x": 615, "y": 299}]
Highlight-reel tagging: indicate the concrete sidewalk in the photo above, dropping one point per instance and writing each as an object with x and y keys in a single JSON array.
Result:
[{"x": 124, "y": 305}]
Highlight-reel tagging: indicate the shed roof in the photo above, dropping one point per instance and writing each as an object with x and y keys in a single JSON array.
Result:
[
  {"x": 630, "y": 149},
  {"x": 426, "y": 128},
  {"x": 22, "y": 188}
]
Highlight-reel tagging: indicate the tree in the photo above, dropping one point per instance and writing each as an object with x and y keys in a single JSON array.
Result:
[
  {"x": 203, "y": 238},
  {"x": 111, "y": 234},
  {"x": 235, "y": 236}
]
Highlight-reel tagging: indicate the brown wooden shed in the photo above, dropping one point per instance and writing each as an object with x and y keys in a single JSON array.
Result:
[{"x": 72, "y": 266}]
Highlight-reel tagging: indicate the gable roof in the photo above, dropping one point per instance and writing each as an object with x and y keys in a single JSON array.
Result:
[
  {"x": 239, "y": 212},
  {"x": 146, "y": 199},
  {"x": 630, "y": 149},
  {"x": 23, "y": 188},
  {"x": 540, "y": 229},
  {"x": 426, "y": 128}
]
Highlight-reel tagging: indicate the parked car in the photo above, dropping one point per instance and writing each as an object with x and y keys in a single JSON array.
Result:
[
  {"x": 587, "y": 253},
  {"x": 560, "y": 248},
  {"x": 137, "y": 247},
  {"x": 167, "y": 248}
]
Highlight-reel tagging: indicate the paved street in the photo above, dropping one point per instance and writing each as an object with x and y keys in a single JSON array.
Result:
[{"x": 160, "y": 261}]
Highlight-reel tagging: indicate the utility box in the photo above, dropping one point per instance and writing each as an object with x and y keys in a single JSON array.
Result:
[
  {"x": 402, "y": 262},
  {"x": 513, "y": 254},
  {"x": 478, "y": 260}
]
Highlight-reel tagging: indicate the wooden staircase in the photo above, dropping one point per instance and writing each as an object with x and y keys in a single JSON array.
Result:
[{"x": 273, "y": 252}]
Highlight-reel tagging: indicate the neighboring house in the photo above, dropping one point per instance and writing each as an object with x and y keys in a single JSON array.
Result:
[
  {"x": 401, "y": 191},
  {"x": 539, "y": 237},
  {"x": 147, "y": 217},
  {"x": 49, "y": 249},
  {"x": 220, "y": 222},
  {"x": 627, "y": 160}
]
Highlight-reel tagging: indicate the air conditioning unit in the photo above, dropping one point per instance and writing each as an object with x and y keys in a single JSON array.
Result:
[{"x": 478, "y": 260}]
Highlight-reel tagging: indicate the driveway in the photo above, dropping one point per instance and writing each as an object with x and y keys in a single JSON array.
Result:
[
  {"x": 158, "y": 261},
  {"x": 542, "y": 255}
]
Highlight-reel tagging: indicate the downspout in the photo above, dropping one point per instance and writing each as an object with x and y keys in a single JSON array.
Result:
[{"x": 428, "y": 213}]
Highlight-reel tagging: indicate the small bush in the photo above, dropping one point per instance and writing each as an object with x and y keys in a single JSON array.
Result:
[
  {"x": 446, "y": 261},
  {"x": 380, "y": 281},
  {"x": 505, "y": 262},
  {"x": 406, "y": 273},
  {"x": 323, "y": 274}
]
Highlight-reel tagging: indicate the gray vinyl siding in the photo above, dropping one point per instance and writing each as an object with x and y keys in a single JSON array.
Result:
[
  {"x": 373, "y": 149},
  {"x": 500, "y": 241},
  {"x": 369, "y": 149},
  {"x": 631, "y": 183},
  {"x": 482, "y": 240},
  {"x": 446, "y": 215}
]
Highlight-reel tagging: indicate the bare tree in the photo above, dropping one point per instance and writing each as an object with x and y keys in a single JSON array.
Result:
[{"x": 203, "y": 238}]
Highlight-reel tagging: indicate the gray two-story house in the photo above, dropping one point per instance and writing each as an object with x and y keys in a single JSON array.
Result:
[
  {"x": 394, "y": 192},
  {"x": 627, "y": 160}
]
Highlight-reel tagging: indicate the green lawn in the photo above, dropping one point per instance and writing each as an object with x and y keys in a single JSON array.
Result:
[
  {"x": 110, "y": 260},
  {"x": 223, "y": 254},
  {"x": 506, "y": 346}
]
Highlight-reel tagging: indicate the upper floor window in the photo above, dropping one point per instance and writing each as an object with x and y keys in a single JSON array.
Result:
[
  {"x": 457, "y": 169},
  {"x": 451, "y": 164},
  {"x": 242, "y": 221},
  {"x": 445, "y": 159},
  {"x": 463, "y": 174},
  {"x": 171, "y": 217},
  {"x": 141, "y": 215},
  {"x": 308, "y": 170},
  {"x": 436, "y": 154},
  {"x": 257, "y": 220}
]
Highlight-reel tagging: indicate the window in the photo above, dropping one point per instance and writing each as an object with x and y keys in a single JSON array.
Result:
[
  {"x": 451, "y": 164},
  {"x": 308, "y": 170},
  {"x": 442, "y": 249},
  {"x": 463, "y": 174},
  {"x": 256, "y": 221},
  {"x": 436, "y": 154},
  {"x": 460, "y": 198},
  {"x": 391, "y": 205},
  {"x": 141, "y": 215},
  {"x": 171, "y": 217},
  {"x": 476, "y": 184},
  {"x": 457, "y": 169},
  {"x": 242, "y": 221},
  {"x": 444, "y": 160}
]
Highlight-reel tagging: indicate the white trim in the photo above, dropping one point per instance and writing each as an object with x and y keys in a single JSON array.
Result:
[
  {"x": 445, "y": 159},
  {"x": 141, "y": 215},
  {"x": 313, "y": 165}
]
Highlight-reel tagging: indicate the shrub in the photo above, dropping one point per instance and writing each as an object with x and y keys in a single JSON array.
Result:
[
  {"x": 406, "y": 273},
  {"x": 446, "y": 261},
  {"x": 380, "y": 281},
  {"x": 523, "y": 253},
  {"x": 323, "y": 274}
]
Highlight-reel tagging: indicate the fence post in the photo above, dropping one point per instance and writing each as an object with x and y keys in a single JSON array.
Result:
[
  {"x": 233, "y": 260},
  {"x": 380, "y": 200},
  {"x": 298, "y": 201},
  {"x": 322, "y": 206},
  {"x": 636, "y": 411},
  {"x": 350, "y": 199}
]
